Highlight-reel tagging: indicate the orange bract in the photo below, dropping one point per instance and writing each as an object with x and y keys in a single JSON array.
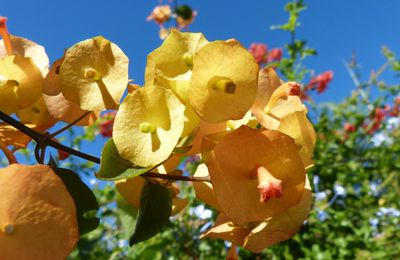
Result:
[
  {"x": 259, "y": 235},
  {"x": 37, "y": 214},
  {"x": 232, "y": 165}
]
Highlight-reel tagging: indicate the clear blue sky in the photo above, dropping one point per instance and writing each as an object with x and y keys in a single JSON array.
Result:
[{"x": 335, "y": 28}]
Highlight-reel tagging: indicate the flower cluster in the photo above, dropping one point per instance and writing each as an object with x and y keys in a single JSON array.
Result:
[
  {"x": 182, "y": 15},
  {"x": 264, "y": 56},
  {"x": 200, "y": 98},
  {"x": 250, "y": 128}
]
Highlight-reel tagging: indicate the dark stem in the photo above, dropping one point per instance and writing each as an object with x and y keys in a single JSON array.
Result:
[
  {"x": 44, "y": 140},
  {"x": 175, "y": 177}
]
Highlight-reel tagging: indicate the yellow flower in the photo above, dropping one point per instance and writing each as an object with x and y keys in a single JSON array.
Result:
[
  {"x": 20, "y": 83},
  {"x": 94, "y": 74},
  {"x": 37, "y": 114},
  {"x": 148, "y": 125},
  {"x": 29, "y": 49},
  {"x": 224, "y": 78},
  {"x": 58, "y": 106},
  {"x": 174, "y": 57}
]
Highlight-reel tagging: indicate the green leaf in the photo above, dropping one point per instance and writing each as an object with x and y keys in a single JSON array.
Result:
[
  {"x": 85, "y": 201},
  {"x": 185, "y": 12},
  {"x": 113, "y": 167},
  {"x": 154, "y": 213}
]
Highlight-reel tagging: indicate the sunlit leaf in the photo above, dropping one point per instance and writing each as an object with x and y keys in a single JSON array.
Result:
[{"x": 114, "y": 167}]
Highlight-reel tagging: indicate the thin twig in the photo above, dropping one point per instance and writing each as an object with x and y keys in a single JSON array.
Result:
[
  {"x": 352, "y": 74},
  {"x": 10, "y": 156},
  {"x": 44, "y": 140},
  {"x": 41, "y": 138},
  {"x": 175, "y": 177},
  {"x": 70, "y": 124}
]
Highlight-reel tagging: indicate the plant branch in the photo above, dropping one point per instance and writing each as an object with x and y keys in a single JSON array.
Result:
[
  {"x": 44, "y": 140},
  {"x": 175, "y": 177},
  {"x": 70, "y": 124},
  {"x": 10, "y": 156}
]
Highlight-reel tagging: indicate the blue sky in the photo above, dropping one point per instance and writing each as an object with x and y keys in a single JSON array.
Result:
[{"x": 335, "y": 28}]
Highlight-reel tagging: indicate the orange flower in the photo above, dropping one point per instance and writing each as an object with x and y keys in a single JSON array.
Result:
[
  {"x": 256, "y": 174},
  {"x": 321, "y": 81},
  {"x": 160, "y": 14}
]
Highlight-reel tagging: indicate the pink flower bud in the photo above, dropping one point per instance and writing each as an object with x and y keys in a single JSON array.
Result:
[
  {"x": 275, "y": 55},
  {"x": 259, "y": 52}
]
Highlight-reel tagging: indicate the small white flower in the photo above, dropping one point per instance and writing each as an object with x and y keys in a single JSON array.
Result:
[
  {"x": 123, "y": 243},
  {"x": 378, "y": 139},
  {"x": 339, "y": 190},
  {"x": 393, "y": 123},
  {"x": 321, "y": 195},
  {"x": 374, "y": 222},
  {"x": 201, "y": 212},
  {"x": 93, "y": 182}
]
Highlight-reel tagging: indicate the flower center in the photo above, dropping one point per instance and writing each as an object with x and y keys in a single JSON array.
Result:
[
  {"x": 188, "y": 58},
  {"x": 146, "y": 127},
  {"x": 268, "y": 186},
  {"x": 223, "y": 84},
  {"x": 91, "y": 73}
]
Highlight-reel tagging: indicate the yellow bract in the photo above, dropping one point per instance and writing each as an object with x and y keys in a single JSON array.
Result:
[
  {"x": 268, "y": 82},
  {"x": 202, "y": 130},
  {"x": 37, "y": 214},
  {"x": 224, "y": 81},
  {"x": 179, "y": 84},
  {"x": 204, "y": 190},
  {"x": 20, "y": 83},
  {"x": 280, "y": 104},
  {"x": 232, "y": 166},
  {"x": 191, "y": 121},
  {"x": 58, "y": 106},
  {"x": 148, "y": 125},
  {"x": 27, "y": 48},
  {"x": 174, "y": 57},
  {"x": 37, "y": 114},
  {"x": 94, "y": 74},
  {"x": 297, "y": 126}
]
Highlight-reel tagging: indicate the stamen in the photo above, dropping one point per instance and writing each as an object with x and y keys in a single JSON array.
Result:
[{"x": 146, "y": 127}]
